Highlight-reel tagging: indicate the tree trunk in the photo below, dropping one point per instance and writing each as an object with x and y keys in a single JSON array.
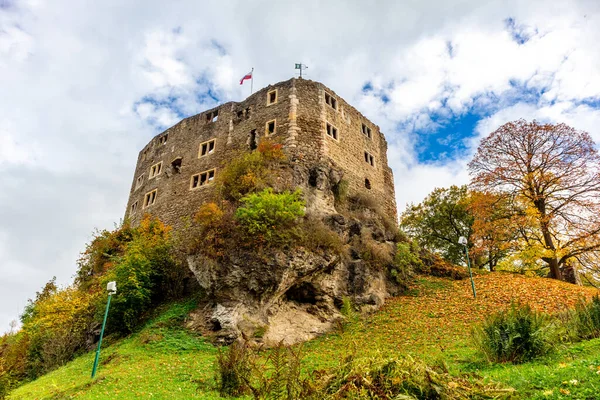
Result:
[{"x": 555, "y": 272}]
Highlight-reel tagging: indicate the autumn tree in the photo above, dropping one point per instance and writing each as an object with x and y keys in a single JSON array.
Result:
[
  {"x": 493, "y": 234},
  {"x": 550, "y": 173},
  {"x": 438, "y": 222}
]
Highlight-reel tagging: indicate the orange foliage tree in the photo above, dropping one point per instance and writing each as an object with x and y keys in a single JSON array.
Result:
[
  {"x": 492, "y": 232},
  {"x": 551, "y": 174}
]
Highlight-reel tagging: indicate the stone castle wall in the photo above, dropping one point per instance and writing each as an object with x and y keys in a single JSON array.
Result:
[{"x": 301, "y": 116}]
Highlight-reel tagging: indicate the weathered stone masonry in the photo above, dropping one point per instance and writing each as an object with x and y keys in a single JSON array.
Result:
[{"x": 175, "y": 170}]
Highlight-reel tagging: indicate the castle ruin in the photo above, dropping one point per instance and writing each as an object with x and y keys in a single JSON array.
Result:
[{"x": 175, "y": 171}]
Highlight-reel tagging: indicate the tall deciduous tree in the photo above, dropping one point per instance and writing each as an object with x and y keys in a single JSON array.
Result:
[
  {"x": 438, "y": 222},
  {"x": 551, "y": 173}
]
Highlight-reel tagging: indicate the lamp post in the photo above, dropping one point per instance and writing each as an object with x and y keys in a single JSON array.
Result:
[
  {"x": 463, "y": 240},
  {"x": 112, "y": 289}
]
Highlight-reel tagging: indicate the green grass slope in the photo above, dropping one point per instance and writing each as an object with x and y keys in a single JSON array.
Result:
[{"x": 164, "y": 361}]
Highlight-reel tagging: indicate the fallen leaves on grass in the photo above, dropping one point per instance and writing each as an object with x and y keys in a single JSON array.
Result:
[{"x": 441, "y": 317}]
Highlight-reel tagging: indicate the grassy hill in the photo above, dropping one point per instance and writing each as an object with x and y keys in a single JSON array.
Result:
[{"x": 433, "y": 323}]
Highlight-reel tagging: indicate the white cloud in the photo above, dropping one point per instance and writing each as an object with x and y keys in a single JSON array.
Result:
[
  {"x": 15, "y": 44},
  {"x": 14, "y": 152},
  {"x": 85, "y": 84},
  {"x": 160, "y": 62}
]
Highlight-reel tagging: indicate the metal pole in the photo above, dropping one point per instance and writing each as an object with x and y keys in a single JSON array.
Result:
[
  {"x": 251, "y": 79},
  {"x": 101, "y": 335},
  {"x": 470, "y": 273},
  {"x": 300, "y": 71}
]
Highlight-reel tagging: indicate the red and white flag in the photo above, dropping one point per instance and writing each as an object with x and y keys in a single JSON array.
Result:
[{"x": 247, "y": 76}]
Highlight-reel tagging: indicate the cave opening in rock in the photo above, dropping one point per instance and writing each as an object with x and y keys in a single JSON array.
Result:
[
  {"x": 215, "y": 325},
  {"x": 303, "y": 293}
]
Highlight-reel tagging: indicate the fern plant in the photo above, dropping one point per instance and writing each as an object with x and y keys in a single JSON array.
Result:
[
  {"x": 516, "y": 335},
  {"x": 585, "y": 319},
  {"x": 233, "y": 369}
]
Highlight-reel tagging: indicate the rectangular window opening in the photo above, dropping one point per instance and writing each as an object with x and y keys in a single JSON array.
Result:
[
  {"x": 134, "y": 207},
  {"x": 272, "y": 97},
  {"x": 270, "y": 128},
  {"x": 332, "y": 131},
  {"x": 369, "y": 159},
  {"x": 202, "y": 179},
  {"x": 155, "y": 170},
  {"x": 329, "y": 99},
  {"x": 366, "y": 131},
  {"x": 150, "y": 198},
  {"x": 207, "y": 148}
]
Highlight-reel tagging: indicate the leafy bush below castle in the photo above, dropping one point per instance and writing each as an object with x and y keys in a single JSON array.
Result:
[
  {"x": 270, "y": 218},
  {"x": 249, "y": 172}
]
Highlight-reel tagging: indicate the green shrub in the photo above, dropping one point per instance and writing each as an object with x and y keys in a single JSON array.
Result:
[
  {"x": 406, "y": 260},
  {"x": 140, "y": 275},
  {"x": 585, "y": 319},
  {"x": 516, "y": 335},
  {"x": 249, "y": 172},
  {"x": 269, "y": 218}
]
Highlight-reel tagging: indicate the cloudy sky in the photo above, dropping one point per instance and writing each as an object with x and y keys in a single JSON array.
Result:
[{"x": 85, "y": 84}]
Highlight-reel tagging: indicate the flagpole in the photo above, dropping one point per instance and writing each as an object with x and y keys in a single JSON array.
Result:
[{"x": 251, "y": 79}]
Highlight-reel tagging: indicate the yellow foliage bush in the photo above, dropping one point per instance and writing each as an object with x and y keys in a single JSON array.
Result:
[
  {"x": 211, "y": 227},
  {"x": 248, "y": 173}
]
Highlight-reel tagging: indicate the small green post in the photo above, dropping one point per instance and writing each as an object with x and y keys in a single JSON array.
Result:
[
  {"x": 463, "y": 240},
  {"x": 112, "y": 289}
]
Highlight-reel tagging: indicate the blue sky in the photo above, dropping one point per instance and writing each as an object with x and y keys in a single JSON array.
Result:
[
  {"x": 447, "y": 140},
  {"x": 86, "y": 84}
]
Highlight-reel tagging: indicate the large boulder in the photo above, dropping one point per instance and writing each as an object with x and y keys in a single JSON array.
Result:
[{"x": 292, "y": 296}]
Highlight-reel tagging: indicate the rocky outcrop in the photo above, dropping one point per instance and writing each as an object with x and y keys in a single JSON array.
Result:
[{"x": 296, "y": 294}]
